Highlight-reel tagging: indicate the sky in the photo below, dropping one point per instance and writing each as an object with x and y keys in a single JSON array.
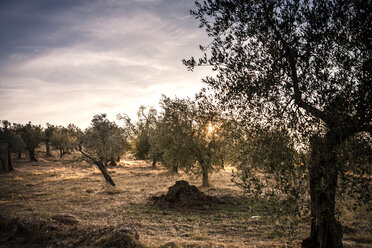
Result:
[{"x": 63, "y": 61}]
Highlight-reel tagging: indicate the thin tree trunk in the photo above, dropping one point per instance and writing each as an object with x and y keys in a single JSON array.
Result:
[
  {"x": 100, "y": 166},
  {"x": 113, "y": 162},
  {"x": 47, "y": 146},
  {"x": 104, "y": 172},
  {"x": 326, "y": 231},
  {"x": 154, "y": 163},
  {"x": 4, "y": 163},
  {"x": 10, "y": 165},
  {"x": 204, "y": 168},
  {"x": 19, "y": 154},
  {"x": 4, "y": 156},
  {"x": 61, "y": 153},
  {"x": 32, "y": 155}
]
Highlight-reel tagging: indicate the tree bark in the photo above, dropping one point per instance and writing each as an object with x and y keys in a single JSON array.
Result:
[
  {"x": 10, "y": 165},
  {"x": 61, "y": 152},
  {"x": 204, "y": 168},
  {"x": 100, "y": 166},
  {"x": 47, "y": 146},
  {"x": 105, "y": 173},
  {"x": 113, "y": 162},
  {"x": 4, "y": 164},
  {"x": 5, "y": 157},
  {"x": 32, "y": 155},
  {"x": 154, "y": 163},
  {"x": 326, "y": 231}
]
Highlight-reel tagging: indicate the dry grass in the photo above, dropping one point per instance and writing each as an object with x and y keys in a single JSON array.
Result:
[{"x": 52, "y": 186}]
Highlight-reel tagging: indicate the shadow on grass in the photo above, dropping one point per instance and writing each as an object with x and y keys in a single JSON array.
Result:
[{"x": 241, "y": 208}]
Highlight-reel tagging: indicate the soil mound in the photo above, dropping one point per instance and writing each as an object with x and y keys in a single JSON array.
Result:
[
  {"x": 36, "y": 232},
  {"x": 182, "y": 194}
]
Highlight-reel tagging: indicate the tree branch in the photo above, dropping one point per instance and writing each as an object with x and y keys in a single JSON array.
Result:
[{"x": 297, "y": 94}]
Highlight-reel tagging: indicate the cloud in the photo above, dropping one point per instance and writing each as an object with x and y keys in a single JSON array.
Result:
[{"x": 99, "y": 56}]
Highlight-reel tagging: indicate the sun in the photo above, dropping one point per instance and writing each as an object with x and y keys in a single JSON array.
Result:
[{"x": 210, "y": 128}]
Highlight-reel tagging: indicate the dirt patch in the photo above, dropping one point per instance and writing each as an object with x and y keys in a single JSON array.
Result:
[
  {"x": 36, "y": 232},
  {"x": 182, "y": 194}
]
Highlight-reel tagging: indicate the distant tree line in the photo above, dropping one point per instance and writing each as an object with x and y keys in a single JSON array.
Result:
[
  {"x": 186, "y": 135},
  {"x": 192, "y": 135}
]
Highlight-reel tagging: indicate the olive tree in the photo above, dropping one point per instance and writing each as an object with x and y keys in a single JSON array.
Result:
[
  {"x": 173, "y": 135},
  {"x": 8, "y": 141},
  {"x": 102, "y": 142},
  {"x": 189, "y": 135},
  {"x": 141, "y": 133},
  {"x": 64, "y": 139},
  {"x": 32, "y": 136},
  {"x": 303, "y": 64},
  {"x": 48, "y": 132}
]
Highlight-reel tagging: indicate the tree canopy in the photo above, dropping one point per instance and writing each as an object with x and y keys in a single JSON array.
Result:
[
  {"x": 32, "y": 136},
  {"x": 104, "y": 140},
  {"x": 188, "y": 135},
  {"x": 305, "y": 65}
]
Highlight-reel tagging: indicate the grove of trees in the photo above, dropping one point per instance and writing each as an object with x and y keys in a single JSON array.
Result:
[{"x": 290, "y": 109}]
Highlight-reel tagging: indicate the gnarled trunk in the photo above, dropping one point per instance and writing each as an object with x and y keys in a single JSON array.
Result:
[{"x": 326, "y": 231}]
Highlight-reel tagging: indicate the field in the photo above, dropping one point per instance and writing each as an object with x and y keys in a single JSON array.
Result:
[{"x": 53, "y": 186}]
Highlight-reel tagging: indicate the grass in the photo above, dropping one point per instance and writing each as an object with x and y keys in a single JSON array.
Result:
[{"x": 52, "y": 186}]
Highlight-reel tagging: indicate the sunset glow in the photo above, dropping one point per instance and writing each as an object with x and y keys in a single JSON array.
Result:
[{"x": 211, "y": 128}]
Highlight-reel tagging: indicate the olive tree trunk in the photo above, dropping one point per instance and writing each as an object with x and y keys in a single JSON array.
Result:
[
  {"x": 326, "y": 231},
  {"x": 10, "y": 165},
  {"x": 100, "y": 166},
  {"x": 104, "y": 172},
  {"x": 204, "y": 167},
  {"x": 5, "y": 157},
  {"x": 47, "y": 146},
  {"x": 113, "y": 162},
  {"x": 175, "y": 169},
  {"x": 32, "y": 154}
]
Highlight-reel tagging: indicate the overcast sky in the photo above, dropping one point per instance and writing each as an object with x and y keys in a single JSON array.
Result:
[{"x": 62, "y": 61}]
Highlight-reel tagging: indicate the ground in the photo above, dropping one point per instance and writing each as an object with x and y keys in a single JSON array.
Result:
[{"x": 53, "y": 186}]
